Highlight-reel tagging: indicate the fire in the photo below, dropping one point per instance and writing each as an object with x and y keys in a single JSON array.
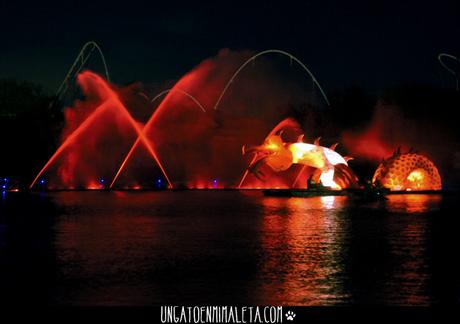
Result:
[{"x": 409, "y": 172}]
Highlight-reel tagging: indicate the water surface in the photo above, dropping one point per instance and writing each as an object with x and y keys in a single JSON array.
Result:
[{"x": 227, "y": 247}]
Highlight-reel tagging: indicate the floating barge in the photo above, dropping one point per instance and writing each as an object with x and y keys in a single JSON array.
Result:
[
  {"x": 320, "y": 191},
  {"x": 367, "y": 193},
  {"x": 303, "y": 192}
]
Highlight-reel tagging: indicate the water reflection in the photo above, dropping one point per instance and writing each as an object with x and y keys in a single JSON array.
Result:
[
  {"x": 408, "y": 235},
  {"x": 156, "y": 248},
  {"x": 105, "y": 251},
  {"x": 416, "y": 203},
  {"x": 408, "y": 277},
  {"x": 328, "y": 202},
  {"x": 302, "y": 241}
]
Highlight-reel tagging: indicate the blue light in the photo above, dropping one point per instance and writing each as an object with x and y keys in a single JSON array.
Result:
[
  {"x": 159, "y": 183},
  {"x": 101, "y": 181},
  {"x": 5, "y": 179},
  {"x": 4, "y": 186},
  {"x": 42, "y": 181}
]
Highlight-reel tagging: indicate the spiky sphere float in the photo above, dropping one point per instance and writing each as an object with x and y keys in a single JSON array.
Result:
[{"x": 408, "y": 171}]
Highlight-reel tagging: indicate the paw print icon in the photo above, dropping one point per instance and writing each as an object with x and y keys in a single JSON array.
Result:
[{"x": 290, "y": 315}]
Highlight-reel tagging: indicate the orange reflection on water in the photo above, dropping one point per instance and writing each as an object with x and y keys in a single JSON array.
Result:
[
  {"x": 413, "y": 203},
  {"x": 302, "y": 239}
]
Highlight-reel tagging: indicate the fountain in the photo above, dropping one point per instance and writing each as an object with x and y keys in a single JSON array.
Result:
[{"x": 191, "y": 149}]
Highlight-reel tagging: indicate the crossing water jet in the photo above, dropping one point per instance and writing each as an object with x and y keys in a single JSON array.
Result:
[
  {"x": 133, "y": 147},
  {"x": 111, "y": 100},
  {"x": 215, "y": 137},
  {"x": 217, "y": 103}
]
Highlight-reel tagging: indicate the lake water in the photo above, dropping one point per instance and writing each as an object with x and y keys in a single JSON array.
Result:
[{"x": 227, "y": 248}]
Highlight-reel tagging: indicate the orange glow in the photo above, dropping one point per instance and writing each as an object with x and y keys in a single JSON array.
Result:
[
  {"x": 280, "y": 156},
  {"x": 308, "y": 154},
  {"x": 416, "y": 179},
  {"x": 304, "y": 233},
  {"x": 409, "y": 172},
  {"x": 327, "y": 179},
  {"x": 94, "y": 186},
  {"x": 413, "y": 203},
  {"x": 286, "y": 123}
]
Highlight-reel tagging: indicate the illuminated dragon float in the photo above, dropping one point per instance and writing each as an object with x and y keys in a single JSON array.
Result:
[{"x": 331, "y": 169}]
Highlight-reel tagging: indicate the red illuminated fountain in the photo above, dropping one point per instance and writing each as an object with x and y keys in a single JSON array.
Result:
[
  {"x": 187, "y": 143},
  {"x": 148, "y": 125},
  {"x": 94, "y": 85}
]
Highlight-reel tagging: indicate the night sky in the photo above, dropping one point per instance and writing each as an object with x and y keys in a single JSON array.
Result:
[{"x": 373, "y": 44}]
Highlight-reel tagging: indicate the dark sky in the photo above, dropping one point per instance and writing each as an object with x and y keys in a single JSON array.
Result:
[{"x": 372, "y": 44}]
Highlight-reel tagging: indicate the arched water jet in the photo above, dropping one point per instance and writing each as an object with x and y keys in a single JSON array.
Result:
[
  {"x": 455, "y": 74},
  {"x": 133, "y": 147},
  {"x": 82, "y": 57},
  {"x": 251, "y": 59},
  {"x": 181, "y": 91},
  {"x": 227, "y": 85},
  {"x": 160, "y": 110}
]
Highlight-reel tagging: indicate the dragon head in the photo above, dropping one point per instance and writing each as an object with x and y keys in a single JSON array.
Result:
[{"x": 272, "y": 152}]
